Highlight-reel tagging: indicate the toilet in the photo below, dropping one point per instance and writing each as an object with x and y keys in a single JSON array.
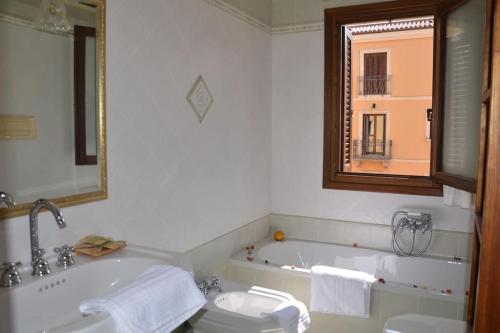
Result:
[
  {"x": 240, "y": 308},
  {"x": 415, "y": 323}
]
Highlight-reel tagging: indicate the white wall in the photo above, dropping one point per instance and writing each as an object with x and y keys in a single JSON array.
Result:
[
  {"x": 175, "y": 183},
  {"x": 297, "y": 151}
]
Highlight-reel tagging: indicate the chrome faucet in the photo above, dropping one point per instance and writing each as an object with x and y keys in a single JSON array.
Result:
[
  {"x": 211, "y": 284},
  {"x": 40, "y": 265},
  {"x": 7, "y": 199}
]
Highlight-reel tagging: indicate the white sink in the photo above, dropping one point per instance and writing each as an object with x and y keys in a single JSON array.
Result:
[
  {"x": 240, "y": 309},
  {"x": 50, "y": 304},
  {"x": 247, "y": 304}
]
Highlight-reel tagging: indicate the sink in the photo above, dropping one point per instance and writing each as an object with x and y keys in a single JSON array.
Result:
[
  {"x": 240, "y": 309},
  {"x": 256, "y": 305},
  {"x": 50, "y": 304}
]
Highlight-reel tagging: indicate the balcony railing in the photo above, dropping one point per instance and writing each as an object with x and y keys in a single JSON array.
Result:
[
  {"x": 372, "y": 150},
  {"x": 375, "y": 85}
]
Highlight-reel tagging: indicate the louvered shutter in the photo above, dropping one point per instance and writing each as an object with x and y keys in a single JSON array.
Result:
[
  {"x": 347, "y": 103},
  {"x": 375, "y": 76}
]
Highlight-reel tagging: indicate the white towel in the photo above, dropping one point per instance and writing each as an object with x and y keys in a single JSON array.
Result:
[
  {"x": 458, "y": 198},
  {"x": 340, "y": 291},
  {"x": 293, "y": 316},
  {"x": 160, "y": 300}
]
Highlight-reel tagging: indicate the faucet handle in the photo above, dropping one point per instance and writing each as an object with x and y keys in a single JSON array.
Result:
[
  {"x": 65, "y": 256},
  {"x": 7, "y": 265},
  {"x": 215, "y": 280},
  {"x": 65, "y": 249},
  {"x": 215, "y": 283},
  {"x": 10, "y": 276}
]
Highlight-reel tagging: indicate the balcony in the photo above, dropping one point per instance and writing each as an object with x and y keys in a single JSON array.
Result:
[
  {"x": 375, "y": 85},
  {"x": 377, "y": 150}
]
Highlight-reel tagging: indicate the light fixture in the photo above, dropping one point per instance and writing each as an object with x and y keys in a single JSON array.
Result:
[{"x": 52, "y": 17}]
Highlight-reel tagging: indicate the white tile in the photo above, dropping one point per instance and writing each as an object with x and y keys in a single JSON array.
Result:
[
  {"x": 465, "y": 245},
  {"x": 331, "y": 232},
  {"x": 433, "y": 307},
  {"x": 444, "y": 244}
]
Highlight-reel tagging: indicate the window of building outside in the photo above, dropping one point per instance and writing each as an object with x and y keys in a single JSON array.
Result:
[
  {"x": 373, "y": 142},
  {"x": 374, "y": 79}
]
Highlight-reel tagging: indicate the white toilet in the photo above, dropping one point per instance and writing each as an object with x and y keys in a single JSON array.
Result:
[
  {"x": 415, "y": 323},
  {"x": 240, "y": 308}
]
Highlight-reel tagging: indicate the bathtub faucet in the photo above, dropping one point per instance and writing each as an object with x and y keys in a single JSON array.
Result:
[
  {"x": 411, "y": 222},
  {"x": 40, "y": 265}
]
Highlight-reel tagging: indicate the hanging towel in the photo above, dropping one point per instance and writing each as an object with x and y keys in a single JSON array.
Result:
[
  {"x": 293, "y": 316},
  {"x": 458, "y": 198},
  {"x": 340, "y": 291},
  {"x": 158, "y": 301}
]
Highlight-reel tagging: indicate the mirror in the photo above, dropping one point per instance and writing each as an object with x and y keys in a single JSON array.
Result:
[{"x": 52, "y": 98}]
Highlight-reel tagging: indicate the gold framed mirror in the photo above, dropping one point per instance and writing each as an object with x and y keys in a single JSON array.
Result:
[{"x": 52, "y": 102}]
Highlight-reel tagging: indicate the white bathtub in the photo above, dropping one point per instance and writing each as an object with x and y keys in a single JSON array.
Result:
[{"x": 431, "y": 277}]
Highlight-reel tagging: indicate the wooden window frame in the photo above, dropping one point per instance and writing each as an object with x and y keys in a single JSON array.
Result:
[
  {"x": 441, "y": 176},
  {"x": 334, "y": 177}
]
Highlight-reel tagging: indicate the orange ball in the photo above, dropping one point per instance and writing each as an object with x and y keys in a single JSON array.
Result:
[{"x": 279, "y": 236}]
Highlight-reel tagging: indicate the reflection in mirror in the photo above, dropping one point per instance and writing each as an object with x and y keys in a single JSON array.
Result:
[
  {"x": 85, "y": 95},
  {"x": 51, "y": 113}
]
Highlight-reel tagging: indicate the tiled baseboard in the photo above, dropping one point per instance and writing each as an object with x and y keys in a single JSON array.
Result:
[
  {"x": 211, "y": 258},
  {"x": 444, "y": 243}
]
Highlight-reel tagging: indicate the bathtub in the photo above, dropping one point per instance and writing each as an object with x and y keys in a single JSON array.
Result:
[{"x": 424, "y": 285}]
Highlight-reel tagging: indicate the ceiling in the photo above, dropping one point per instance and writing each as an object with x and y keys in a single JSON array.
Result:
[{"x": 277, "y": 13}]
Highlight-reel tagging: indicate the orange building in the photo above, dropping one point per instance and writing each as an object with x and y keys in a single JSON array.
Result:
[{"x": 392, "y": 92}]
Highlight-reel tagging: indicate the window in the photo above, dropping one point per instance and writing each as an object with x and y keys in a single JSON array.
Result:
[
  {"x": 374, "y": 80},
  {"x": 404, "y": 50},
  {"x": 373, "y": 134},
  {"x": 396, "y": 49}
]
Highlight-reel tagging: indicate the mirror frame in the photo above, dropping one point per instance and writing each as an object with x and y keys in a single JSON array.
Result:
[{"x": 102, "y": 194}]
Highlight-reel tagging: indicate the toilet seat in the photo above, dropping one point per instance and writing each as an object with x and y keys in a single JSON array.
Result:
[{"x": 415, "y": 323}]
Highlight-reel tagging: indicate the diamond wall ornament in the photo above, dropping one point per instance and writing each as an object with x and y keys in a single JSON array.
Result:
[{"x": 199, "y": 98}]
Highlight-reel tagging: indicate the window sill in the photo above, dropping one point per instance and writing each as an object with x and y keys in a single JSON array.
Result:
[
  {"x": 415, "y": 185},
  {"x": 365, "y": 97}
]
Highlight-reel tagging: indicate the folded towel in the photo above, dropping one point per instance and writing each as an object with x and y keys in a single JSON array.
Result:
[
  {"x": 158, "y": 301},
  {"x": 293, "y": 316},
  {"x": 340, "y": 291}
]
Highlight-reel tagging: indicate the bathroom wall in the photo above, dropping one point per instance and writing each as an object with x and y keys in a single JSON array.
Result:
[
  {"x": 444, "y": 243},
  {"x": 211, "y": 258},
  {"x": 297, "y": 151},
  {"x": 174, "y": 183}
]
